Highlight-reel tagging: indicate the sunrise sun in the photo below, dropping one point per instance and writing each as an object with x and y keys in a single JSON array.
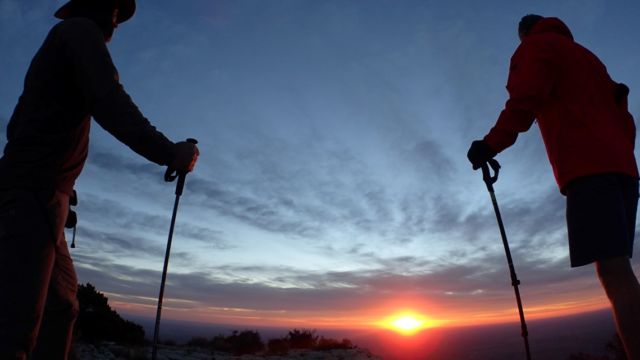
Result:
[{"x": 406, "y": 323}]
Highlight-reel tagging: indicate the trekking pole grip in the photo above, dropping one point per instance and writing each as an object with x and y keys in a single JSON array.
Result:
[
  {"x": 182, "y": 175},
  {"x": 486, "y": 173},
  {"x": 171, "y": 174}
]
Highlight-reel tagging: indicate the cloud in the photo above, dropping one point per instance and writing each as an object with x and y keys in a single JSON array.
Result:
[
  {"x": 99, "y": 211},
  {"x": 534, "y": 218},
  {"x": 430, "y": 153},
  {"x": 10, "y": 11},
  {"x": 276, "y": 214},
  {"x": 322, "y": 292},
  {"x": 16, "y": 16},
  {"x": 116, "y": 244},
  {"x": 114, "y": 162},
  {"x": 296, "y": 191},
  {"x": 287, "y": 198},
  {"x": 3, "y": 126},
  {"x": 450, "y": 290}
]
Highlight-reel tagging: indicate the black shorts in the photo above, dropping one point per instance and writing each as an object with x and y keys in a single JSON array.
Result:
[{"x": 601, "y": 217}]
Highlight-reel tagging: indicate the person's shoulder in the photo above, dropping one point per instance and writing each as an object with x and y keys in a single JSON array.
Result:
[
  {"x": 546, "y": 43},
  {"x": 77, "y": 27}
]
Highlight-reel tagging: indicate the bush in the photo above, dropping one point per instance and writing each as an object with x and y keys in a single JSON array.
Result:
[
  {"x": 325, "y": 344},
  {"x": 98, "y": 322},
  {"x": 139, "y": 353},
  {"x": 168, "y": 342},
  {"x": 302, "y": 339},
  {"x": 249, "y": 342},
  {"x": 200, "y": 342},
  {"x": 614, "y": 349},
  {"x": 246, "y": 342},
  {"x": 220, "y": 343},
  {"x": 278, "y": 346},
  {"x": 238, "y": 343}
]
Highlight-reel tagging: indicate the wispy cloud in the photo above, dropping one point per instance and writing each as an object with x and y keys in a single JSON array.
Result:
[
  {"x": 465, "y": 288},
  {"x": 3, "y": 128},
  {"x": 113, "y": 215}
]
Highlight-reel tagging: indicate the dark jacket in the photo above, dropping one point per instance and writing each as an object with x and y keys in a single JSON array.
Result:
[
  {"x": 71, "y": 79},
  {"x": 581, "y": 112}
]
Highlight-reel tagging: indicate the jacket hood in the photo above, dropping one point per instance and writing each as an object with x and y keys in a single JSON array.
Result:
[{"x": 552, "y": 25}]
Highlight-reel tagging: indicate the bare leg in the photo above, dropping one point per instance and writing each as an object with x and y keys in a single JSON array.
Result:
[{"x": 623, "y": 290}]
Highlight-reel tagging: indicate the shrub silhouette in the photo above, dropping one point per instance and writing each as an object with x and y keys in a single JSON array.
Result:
[
  {"x": 614, "y": 348},
  {"x": 333, "y": 344},
  {"x": 221, "y": 343},
  {"x": 278, "y": 346},
  {"x": 246, "y": 342},
  {"x": 249, "y": 342},
  {"x": 98, "y": 322},
  {"x": 302, "y": 339},
  {"x": 200, "y": 342},
  {"x": 238, "y": 343}
]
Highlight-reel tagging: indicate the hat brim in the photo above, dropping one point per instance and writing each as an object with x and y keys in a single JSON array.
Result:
[{"x": 126, "y": 9}]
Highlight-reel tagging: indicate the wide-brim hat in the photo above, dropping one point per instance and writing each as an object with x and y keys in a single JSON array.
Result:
[{"x": 126, "y": 9}]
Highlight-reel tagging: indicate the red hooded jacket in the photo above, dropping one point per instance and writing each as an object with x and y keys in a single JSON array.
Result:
[{"x": 581, "y": 112}]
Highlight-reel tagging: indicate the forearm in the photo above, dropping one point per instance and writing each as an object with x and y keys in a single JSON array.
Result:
[
  {"x": 510, "y": 123},
  {"x": 117, "y": 114}
]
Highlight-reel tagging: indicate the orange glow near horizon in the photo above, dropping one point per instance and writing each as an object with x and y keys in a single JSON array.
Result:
[
  {"x": 407, "y": 323},
  {"x": 406, "y": 317}
]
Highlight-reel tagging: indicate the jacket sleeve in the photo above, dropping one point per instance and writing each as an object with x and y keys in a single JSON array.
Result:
[
  {"x": 530, "y": 83},
  {"x": 106, "y": 99}
]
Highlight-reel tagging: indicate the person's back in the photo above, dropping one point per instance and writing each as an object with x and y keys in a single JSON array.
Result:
[
  {"x": 48, "y": 132},
  {"x": 581, "y": 112}
]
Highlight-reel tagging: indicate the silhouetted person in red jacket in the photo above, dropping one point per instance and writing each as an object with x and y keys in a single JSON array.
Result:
[
  {"x": 589, "y": 135},
  {"x": 70, "y": 80}
]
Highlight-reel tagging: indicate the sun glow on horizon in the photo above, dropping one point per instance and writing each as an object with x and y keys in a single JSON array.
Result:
[{"x": 407, "y": 323}]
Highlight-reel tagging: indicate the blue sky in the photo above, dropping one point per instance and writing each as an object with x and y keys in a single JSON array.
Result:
[{"x": 333, "y": 182}]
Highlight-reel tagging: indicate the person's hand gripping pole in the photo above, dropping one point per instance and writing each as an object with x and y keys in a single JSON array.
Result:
[{"x": 185, "y": 160}]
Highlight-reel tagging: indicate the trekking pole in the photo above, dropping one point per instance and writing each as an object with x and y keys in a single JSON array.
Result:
[
  {"x": 489, "y": 181},
  {"x": 168, "y": 176}
]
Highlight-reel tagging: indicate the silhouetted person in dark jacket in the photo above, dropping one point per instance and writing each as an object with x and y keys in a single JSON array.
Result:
[{"x": 70, "y": 80}]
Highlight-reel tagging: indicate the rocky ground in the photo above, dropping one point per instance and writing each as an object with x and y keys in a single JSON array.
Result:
[{"x": 108, "y": 351}]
